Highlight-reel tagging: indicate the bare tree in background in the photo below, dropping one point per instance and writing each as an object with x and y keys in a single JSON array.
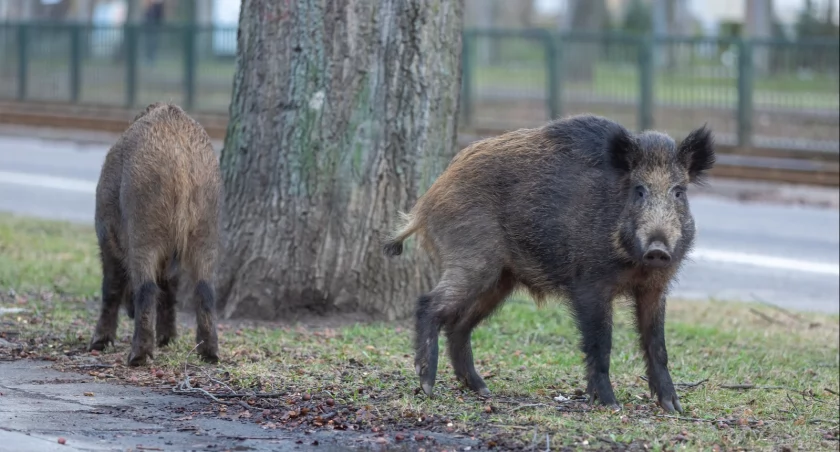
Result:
[
  {"x": 343, "y": 112},
  {"x": 582, "y": 55}
]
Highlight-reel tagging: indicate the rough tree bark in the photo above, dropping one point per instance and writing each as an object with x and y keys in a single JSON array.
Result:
[{"x": 343, "y": 113}]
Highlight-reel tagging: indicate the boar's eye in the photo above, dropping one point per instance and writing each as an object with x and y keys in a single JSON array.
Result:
[
  {"x": 640, "y": 192},
  {"x": 679, "y": 192}
]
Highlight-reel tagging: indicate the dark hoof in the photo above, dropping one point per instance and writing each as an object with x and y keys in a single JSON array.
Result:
[
  {"x": 210, "y": 357},
  {"x": 99, "y": 344},
  {"x": 671, "y": 404},
  {"x": 136, "y": 359},
  {"x": 483, "y": 392},
  {"x": 428, "y": 389},
  {"x": 208, "y": 351}
]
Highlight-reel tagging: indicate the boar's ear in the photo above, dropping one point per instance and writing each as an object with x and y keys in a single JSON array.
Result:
[
  {"x": 623, "y": 150},
  {"x": 697, "y": 153}
]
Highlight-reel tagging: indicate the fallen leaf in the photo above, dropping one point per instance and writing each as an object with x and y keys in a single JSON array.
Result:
[{"x": 89, "y": 394}]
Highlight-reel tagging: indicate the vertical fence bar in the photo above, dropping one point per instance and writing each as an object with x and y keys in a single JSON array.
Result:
[
  {"x": 646, "y": 83},
  {"x": 552, "y": 76},
  {"x": 466, "y": 78},
  {"x": 75, "y": 62},
  {"x": 189, "y": 65},
  {"x": 130, "y": 32},
  {"x": 745, "y": 93},
  {"x": 23, "y": 60}
]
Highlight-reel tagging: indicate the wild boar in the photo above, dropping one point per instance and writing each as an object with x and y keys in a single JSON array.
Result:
[
  {"x": 579, "y": 209},
  {"x": 157, "y": 216}
]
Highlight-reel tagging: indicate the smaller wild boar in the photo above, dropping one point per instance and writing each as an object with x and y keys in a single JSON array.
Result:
[
  {"x": 581, "y": 209},
  {"x": 157, "y": 215}
]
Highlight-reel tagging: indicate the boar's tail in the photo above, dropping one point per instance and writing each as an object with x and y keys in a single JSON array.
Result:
[{"x": 394, "y": 246}]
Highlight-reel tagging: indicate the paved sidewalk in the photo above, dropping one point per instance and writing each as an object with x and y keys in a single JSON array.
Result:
[{"x": 38, "y": 405}]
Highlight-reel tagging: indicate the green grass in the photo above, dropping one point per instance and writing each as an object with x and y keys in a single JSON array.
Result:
[
  {"x": 56, "y": 256},
  {"x": 529, "y": 356}
]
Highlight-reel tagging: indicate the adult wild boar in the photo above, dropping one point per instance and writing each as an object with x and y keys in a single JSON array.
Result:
[
  {"x": 580, "y": 208},
  {"x": 157, "y": 215}
]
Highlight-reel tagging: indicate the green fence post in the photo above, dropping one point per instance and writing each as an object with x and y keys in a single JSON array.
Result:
[
  {"x": 23, "y": 60},
  {"x": 646, "y": 83},
  {"x": 189, "y": 66},
  {"x": 75, "y": 62},
  {"x": 745, "y": 93},
  {"x": 130, "y": 32},
  {"x": 466, "y": 78},
  {"x": 552, "y": 75}
]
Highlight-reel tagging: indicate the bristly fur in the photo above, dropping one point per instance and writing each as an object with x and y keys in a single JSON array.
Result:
[
  {"x": 566, "y": 210},
  {"x": 158, "y": 204},
  {"x": 698, "y": 151}
]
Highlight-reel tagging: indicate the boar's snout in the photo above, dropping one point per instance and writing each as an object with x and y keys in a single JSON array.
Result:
[{"x": 657, "y": 255}]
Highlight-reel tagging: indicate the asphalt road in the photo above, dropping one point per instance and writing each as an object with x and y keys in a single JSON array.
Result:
[{"x": 781, "y": 254}]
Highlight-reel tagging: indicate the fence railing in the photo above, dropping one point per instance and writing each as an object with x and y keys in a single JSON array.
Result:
[{"x": 752, "y": 92}]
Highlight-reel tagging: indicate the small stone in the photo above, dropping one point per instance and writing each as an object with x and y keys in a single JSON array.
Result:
[
  {"x": 399, "y": 437},
  {"x": 159, "y": 373},
  {"x": 419, "y": 437},
  {"x": 330, "y": 402},
  {"x": 62, "y": 441}
]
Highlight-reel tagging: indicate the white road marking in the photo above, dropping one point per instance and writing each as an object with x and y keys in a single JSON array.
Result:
[
  {"x": 43, "y": 181},
  {"x": 760, "y": 260},
  {"x": 701, "y": 254}
]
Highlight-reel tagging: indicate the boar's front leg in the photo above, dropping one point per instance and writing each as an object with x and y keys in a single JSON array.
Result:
[
  {"x": 650, "y": 317},
  {"x": 594, "y": 317}
]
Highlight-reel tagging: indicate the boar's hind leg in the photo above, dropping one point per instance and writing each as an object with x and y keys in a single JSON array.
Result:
[
  {"x": 166, "y": 329},
  {"x": 144, "y": 264},
  {"x": 593, "y": 313},
  {"x": 459, "y": 332},
  {"x": 426, "y": 341},
  {"x": 200, "y": 262},
  {"x": 650, "y": 318},
  {"x": 113, "y": 290},
  {"x": 445, "y": 304}
]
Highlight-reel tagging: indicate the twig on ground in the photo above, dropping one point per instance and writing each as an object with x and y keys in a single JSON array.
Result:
[
  {"x": 743, "y": 386},
  {"x": 606, "y": 440},
  {"x": 263, "y": 438},
  {"x": 779, "y": 308},
  {"x": 185, "y": 387},
  {"x": 691, "y": 385},
  {"x": 517, "y": 427},
  {"x": 93, "y": 366},
  {"x": 529, "y": 405},
  {"x": 139, "y": 447},
  {"x": 547, "y": 445},
  {"x": 258, "y": 395},
  {"x": 218, "y": 382},
  {"x": 765, "y": 316},
  {"x": 684, "y": 385},
  {"x": 795, "y": 408},
  {"x": 680, "y": 418},
  {"x": 831, "y": 391},
  {"x": 822, "y": 421},
  {"x": 694, "y": 419}
]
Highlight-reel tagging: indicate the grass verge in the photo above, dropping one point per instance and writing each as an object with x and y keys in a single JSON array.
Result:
[{"x": 751, "y": 377}]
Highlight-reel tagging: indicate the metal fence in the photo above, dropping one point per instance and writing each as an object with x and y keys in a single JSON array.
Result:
[{"x": 752, "y": 92}]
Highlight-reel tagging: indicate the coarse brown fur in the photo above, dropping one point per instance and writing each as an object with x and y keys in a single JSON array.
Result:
[
  {"x": 580, "y": 209},
  {"x": 157, "y": 216}
]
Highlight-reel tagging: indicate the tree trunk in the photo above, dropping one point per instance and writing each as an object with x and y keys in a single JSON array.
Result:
[
  {"x": 583, "y": 54},
  {"x": 343, "y": 112}
]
